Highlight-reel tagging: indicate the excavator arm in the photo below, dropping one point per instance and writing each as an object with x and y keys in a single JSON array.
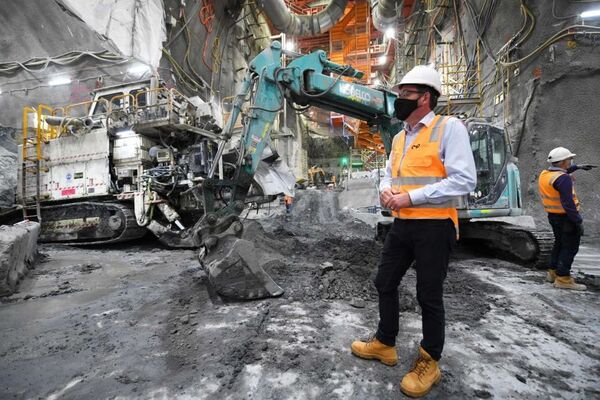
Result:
[
  {"x": 307, "y": 81},
  {"x": 304, "y": 81}
]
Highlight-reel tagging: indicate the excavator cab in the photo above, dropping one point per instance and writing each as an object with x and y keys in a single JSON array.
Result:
[{"x": 498, "y": 192}]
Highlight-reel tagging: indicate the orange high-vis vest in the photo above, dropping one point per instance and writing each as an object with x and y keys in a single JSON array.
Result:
[
  {"x": 550, "y": 196},
  {"x": 421, "y": 166}
]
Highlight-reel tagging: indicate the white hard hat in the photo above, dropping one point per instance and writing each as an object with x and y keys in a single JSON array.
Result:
[
  {"x": 559, "y": 154},
  {"x": 423, "y": 75}
]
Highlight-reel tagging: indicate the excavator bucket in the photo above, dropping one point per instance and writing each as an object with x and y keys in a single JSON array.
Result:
[{"x": 234, "y": 271}]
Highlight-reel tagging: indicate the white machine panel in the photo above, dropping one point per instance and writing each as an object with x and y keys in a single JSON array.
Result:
[
  {"x": 131, "y": 148},
  {"x": 78, "y": 166}
]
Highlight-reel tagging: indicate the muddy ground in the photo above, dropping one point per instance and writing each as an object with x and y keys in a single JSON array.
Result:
[{"x": 141, "y": 321}]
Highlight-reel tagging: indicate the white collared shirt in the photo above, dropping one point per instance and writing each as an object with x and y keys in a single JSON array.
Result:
[{"x": 457, "y": 157}]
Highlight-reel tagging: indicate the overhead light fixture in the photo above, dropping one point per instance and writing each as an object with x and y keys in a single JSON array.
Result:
[
  {"x": 382, "y": 60},
  {"x": 138, "y": 69},
  {"x": 289, "y": 45},
  {"x": 389, "y": 33},
  {"x": 59, "y": 81},
  {"x": 590, "y": 14}
]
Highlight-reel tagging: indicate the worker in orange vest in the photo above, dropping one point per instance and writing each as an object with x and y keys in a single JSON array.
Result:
[
  {"x": 557, "y": 192},
  {"x": 430, "y": 166}
]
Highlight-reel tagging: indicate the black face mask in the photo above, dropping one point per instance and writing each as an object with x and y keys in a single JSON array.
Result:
[{"x": 404, "y": 107}]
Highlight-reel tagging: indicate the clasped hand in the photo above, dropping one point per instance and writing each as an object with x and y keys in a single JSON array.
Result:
[{"x": 393, "y": 200}]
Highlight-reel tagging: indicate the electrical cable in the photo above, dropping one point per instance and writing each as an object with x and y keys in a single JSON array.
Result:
[
  {"x": 326, "y": 91},
  {"x": 170, "y": 42},
  {"x": 39, "y": 64},
  {"x": 206, "y": 17},
  {"x": 186, "y": 59},
  {"x": 471, "y": 13},
  {"x": 553, "y": 39},
  {"x": 527, "y": 13},
  {"x": 184, "y": 77}
]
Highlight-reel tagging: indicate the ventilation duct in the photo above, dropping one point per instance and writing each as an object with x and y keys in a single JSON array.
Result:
[
  {"x": 384, "y": 13},
  {"x": 302, "y": 25}
]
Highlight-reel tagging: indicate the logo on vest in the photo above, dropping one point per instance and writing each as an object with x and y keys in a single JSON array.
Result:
[{"x": 415, "y": 146}]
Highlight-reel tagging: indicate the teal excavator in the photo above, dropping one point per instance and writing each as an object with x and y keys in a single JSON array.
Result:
[{"x": 308, "y": 80}]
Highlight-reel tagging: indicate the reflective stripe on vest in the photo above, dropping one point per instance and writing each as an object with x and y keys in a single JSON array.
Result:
[
  {"x": 551, "y": 197},
  {"x": 421, "y": 166}
]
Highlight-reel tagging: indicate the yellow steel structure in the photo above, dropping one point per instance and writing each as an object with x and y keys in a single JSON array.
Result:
[
  {"x": 461, "y": 84},
  {"x": 31, "y": 154}
]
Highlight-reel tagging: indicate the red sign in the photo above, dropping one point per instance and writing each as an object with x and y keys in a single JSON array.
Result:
[{"x": 67, "y": 192}]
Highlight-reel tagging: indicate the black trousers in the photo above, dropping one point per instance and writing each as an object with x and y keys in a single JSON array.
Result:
[
  {"x": 429, "y": 243},
  {"x": 566, "y": 243}
]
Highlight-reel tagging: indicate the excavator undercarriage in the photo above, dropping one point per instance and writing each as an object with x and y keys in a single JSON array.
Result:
[
  {"x": 527, "y": 246},
  {"x": 90, "y": 222}
]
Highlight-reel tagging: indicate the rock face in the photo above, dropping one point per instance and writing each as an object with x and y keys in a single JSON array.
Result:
[
  {"x": 8, "y": 167},
  {"x": 18, "y": 253}
]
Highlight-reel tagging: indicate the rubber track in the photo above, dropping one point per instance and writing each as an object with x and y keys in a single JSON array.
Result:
[
  {"x": 545, "y": 241},
  {"x": 542, "y": 240},
  {"x": 131, "y": 231}
]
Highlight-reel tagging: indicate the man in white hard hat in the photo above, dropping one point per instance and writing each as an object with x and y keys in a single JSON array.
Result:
[
  {"x": 430, "y": 166},
  {"x": 559, "y": 199}
]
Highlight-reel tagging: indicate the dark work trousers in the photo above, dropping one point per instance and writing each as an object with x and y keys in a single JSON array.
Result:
[
  {"x": 429, "y": 243},
  {"x": 566, "y": 243}
]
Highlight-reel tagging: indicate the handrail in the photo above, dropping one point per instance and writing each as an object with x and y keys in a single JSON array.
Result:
[
  {"x": 26, "y": 112},
  {"x": 125, "y": 106},
  {"x": 67, "y": 109},
  {"x": 42, "y": 132},
  {"x": 167, "y": 92}
]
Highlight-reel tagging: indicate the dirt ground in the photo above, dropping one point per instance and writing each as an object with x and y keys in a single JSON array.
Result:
[{"x": 141, "y": 321}]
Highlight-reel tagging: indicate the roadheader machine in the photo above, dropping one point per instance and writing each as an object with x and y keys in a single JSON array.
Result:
[{"x": 142, "y": 157}]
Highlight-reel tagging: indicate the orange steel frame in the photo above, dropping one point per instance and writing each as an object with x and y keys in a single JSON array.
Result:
[{"x": 354, "y": 41}]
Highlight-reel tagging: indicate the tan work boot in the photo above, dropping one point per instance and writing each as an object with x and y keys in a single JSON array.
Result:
[
  {"x": 551, "y": 275},
  {"x": 373, "y": 349},
  {"x": 567, "y": 282},
  {"x": 423, "y": 375}
]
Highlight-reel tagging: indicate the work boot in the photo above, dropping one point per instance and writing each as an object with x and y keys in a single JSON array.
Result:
[
  {"x": 551, "y": 275},
  {"x": 567, "y": 282},
  {"x": 373, "y": 349},
  {"x": 423, "y": 375}
]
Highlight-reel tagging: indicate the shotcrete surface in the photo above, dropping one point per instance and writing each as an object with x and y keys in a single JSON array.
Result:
[{"x": 140, "y": 321}]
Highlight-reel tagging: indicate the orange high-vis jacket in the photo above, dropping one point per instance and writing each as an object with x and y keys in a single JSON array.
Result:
[
  {"x": 421, "y": 166},
  {"x": 550, "y": 196}
]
